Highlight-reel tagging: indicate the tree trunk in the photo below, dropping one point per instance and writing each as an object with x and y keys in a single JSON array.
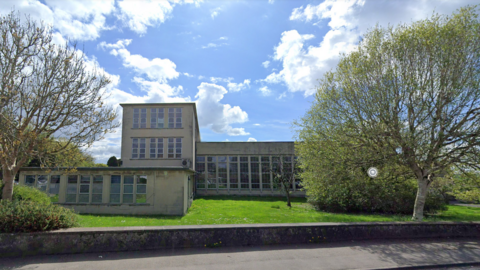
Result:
[
  {"x": 288, "y": 199},
  {"x": 421, "y": 198},
  {"x": 8, "y": 178}
]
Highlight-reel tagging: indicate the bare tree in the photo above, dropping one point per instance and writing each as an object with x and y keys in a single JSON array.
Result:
[
  {"x": 46, "y": 91},
  {"x": 412, "y": 93},
  {"x": 284, "y": 175}
]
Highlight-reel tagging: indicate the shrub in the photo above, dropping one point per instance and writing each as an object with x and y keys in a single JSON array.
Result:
[
  {"x": 29, "y": 216},
  {"x": 26, "y": 193},
  {"x": 371, "y": 196}
]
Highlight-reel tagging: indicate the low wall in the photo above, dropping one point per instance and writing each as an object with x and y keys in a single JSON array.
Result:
[{"x": 81, "y": 240}]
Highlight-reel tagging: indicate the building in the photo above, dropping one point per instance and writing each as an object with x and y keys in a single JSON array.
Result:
[{"x": 165, "y": 165}]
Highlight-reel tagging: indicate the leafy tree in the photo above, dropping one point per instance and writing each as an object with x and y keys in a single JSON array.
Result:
[
  {"x": 46, "y": 90},
  {"x": 409, "y": 94},
  {"x": 112, "y": 162}
]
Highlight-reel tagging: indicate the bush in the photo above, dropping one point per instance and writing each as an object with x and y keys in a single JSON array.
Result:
[
  {"x": 369, "y": 195},
  {"x": 26, "y": 193},
  {"x": 29, "y": 216}
]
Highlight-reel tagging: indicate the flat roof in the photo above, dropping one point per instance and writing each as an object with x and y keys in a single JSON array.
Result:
[{"x": 136, "y": 168}]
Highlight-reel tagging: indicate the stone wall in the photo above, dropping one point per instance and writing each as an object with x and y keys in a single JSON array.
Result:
[{"x": 82, "y": 240}]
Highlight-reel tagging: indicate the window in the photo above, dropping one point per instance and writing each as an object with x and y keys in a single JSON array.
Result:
[
  {"x": 298, "y": 180},
  {"x": 222, "y": 172},
  {"x": 29, "y": 180},
  {"x": 84, "y": 196},
  {"x": 233, "y": 172},
  {"x": 255, "y": 172},
  {"x": 97, "y": 189},
  {"x": 212, "y": 173},
  {"x": 156, "y": 147},
  {"x": 42, "y": 182},
  {"x": 174, "y": 147},
  {"x": 156, "y": 118},
  {"x": 200, "y": 175},
  {"x": 178, "y": 118},
  {"x": 139, "y": 118},
  {"x": 141, "y": 189},
  {"x": 72, "y": 183},
  {"x": 136, "y": 118},
  {"x": 133, "y": 189},
  {"x": 115, "y": 182},
  {"x": 138, "y": 148},
  {"x": 54, "y": 187},
  {"x": 171, "y": 117},
  {"x": 128, "y": 189},
  {"x": 288, "y": 168},
  {"x": 275, "y": 165},
  {"x": 143, "y": 118},
  {"x": 265, "y": 165},
  {"x": 244, "y": 179}
]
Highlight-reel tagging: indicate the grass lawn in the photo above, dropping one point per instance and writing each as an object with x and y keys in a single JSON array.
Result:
[{"x": 247, "y": 210}]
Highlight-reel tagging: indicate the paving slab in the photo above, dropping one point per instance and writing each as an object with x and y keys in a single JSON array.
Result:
[{"x": 345, "y": 255}]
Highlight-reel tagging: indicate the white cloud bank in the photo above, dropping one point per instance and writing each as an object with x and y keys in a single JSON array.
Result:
[{"x": 348, "y": 20}]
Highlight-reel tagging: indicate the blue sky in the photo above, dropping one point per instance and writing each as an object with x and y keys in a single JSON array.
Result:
[{"x": 251, "y": 66}]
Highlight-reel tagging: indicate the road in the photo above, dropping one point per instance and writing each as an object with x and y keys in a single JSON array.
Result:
[{"x": 346, "y": 255}]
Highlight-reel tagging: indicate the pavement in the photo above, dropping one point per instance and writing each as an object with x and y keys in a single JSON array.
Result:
[
  {"x": 464, "y": 204},
  {"x": 391, "y": 254}
]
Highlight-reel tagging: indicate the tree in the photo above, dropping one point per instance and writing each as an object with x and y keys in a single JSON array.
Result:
[
  {"x": 283, "y": 177},
  {"x": 409, "y": 94},
  {"x": 112, "y": 162},
  {"x": 46, "y": 90}
]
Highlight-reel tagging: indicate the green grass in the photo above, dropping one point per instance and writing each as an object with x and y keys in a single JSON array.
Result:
[{"x": 248, "y": 210}]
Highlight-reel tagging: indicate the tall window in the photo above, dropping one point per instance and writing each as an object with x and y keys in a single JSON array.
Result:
[
  {"x": 138, "y": 148},
  {"x": 42, "y": 181},
  {"x": 255, "y": 172},
  {"x": 244, "y": 179},
  {"x": 157, "y": 118},
  {"x": 174, "y": 147},
  {"x": 128, "y": 189},
  {"x": 288, "y": 168},
  {"x": 115, "y": 184},
  {"x": 275, "y": 164},
  {"x": 29, "y": 180},
  {"x": 200, "y": 168},
  {"x": 212, "y": 173},
  {"x": 174, "y": 117},
  {"x": 139, "y": 118},
  {"x": 54, "y": 187},
  {"x": 233, "y": 172},
  {"x": 84, "y": 196},
  {"x": 97, "y": 189},
  {"x": 141, "y": 189},
  {"x": 265, "y": 172},
  {"x": 156, "y": 147},
  {"x": 72, "y": 183},
  {"x": 222, "y": 172}
]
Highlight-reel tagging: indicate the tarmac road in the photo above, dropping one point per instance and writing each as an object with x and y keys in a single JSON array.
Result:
[{"x": 346, "y": 255}]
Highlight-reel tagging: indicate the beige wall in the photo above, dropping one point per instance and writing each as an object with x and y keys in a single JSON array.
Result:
[
  {"x": 245, "y": 148},
  {"x": 186, "y": 133},
  {"x": 166, "y": 192}
]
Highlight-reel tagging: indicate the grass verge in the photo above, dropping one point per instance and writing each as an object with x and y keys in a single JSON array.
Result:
[{"x": 248, "y": 210}]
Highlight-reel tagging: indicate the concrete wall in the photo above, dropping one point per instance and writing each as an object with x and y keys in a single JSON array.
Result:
[
  {"x": 82, "y": 240},
  {"x": 166, "y": 191},
  {"x": 245, "y": 148},
  {"x": 187, "y": 131}
]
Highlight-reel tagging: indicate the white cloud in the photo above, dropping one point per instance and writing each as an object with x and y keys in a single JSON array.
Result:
[
  {"x": 139, "y": 14},
  {"x": 348, "y": 20},
  {"x": 188, "y": 75},
  {"x": 157, "y": 69},
  {"x": 265, "y": 64},
  {"x": 223, "y": 38},
  {"x": 216, "y": 116},
  {"x": 201, "y": 77},
  {"x": 257, "y": 125},
  {"x": 74, "y": 19},
  {"x": 235, "y": 87},
  {"x": 282, "y": 95},
  {"x": 220, "y": 79},
  {"x": 213, "y": 45},
  {"x": 214, "y": 12},
  {"x": 265, "y": 91},
  {"x": 251, "y": 139}
]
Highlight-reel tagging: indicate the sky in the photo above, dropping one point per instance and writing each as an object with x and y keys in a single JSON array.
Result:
[{"x": 251, "y": 66}]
